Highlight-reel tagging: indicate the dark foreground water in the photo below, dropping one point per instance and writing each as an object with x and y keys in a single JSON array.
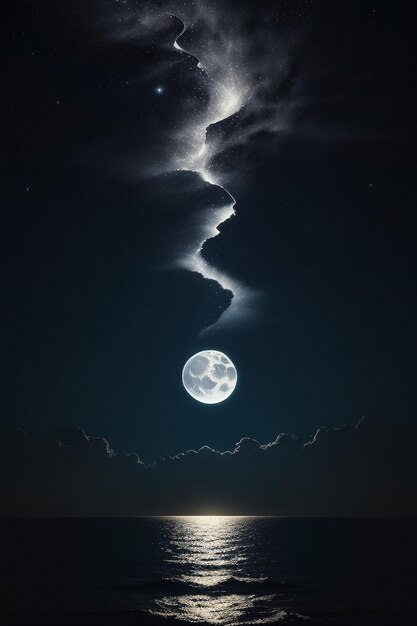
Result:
[{"x": 212, "y": 570}]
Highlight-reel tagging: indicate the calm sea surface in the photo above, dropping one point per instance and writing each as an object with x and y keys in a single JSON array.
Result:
[{"x": 213, "y": 570}]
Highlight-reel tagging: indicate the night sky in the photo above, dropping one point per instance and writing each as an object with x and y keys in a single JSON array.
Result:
[{"x": 97, "y": 324}]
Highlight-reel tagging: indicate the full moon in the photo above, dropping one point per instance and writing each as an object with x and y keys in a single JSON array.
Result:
[{"x": 209, "y": 376}]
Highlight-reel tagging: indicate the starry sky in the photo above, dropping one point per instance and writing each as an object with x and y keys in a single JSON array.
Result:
[{"x": 98, "y": 320}]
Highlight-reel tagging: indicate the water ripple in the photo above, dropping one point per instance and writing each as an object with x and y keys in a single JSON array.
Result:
[{"x": 209, "y": 560}]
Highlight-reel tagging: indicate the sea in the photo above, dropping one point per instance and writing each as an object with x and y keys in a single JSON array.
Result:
[{"x": 208, "y": 570}]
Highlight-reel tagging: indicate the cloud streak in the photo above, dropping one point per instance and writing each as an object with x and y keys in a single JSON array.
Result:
[{"x": 247, "y": 70}]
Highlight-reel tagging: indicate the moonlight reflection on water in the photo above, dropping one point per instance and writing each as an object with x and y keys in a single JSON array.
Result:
[
  {"x": 213, "y": 570},
  {"x": 210, "y": 554}
]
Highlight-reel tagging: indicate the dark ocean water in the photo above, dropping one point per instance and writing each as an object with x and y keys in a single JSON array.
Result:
[{"x": 212, "y": 570}]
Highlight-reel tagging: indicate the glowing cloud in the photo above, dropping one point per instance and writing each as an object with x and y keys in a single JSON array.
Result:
[
  {"x": 252, "y": 79},
  {"x": 225, "y": 99}
]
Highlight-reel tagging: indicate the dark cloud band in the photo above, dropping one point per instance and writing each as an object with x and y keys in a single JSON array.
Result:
[{"x": 368, "y": 468}]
